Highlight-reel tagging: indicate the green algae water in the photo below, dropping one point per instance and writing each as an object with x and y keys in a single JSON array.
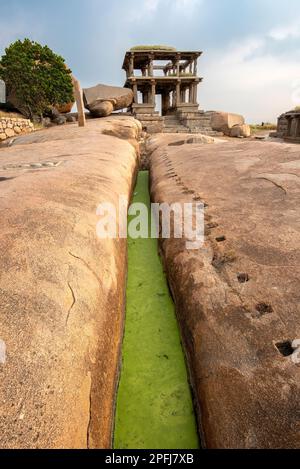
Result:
[{"x": 154, "y": 404}]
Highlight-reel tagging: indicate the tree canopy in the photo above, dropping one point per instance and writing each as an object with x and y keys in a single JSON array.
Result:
[{"x": 36, "y": 78}]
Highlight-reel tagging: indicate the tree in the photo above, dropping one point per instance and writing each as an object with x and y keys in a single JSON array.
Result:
[{"x": 36, "y": 78}]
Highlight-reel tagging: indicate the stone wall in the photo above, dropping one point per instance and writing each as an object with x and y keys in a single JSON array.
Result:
[
  {"x": 282, "y": 126},
  {"x": 12, "y": 126}
]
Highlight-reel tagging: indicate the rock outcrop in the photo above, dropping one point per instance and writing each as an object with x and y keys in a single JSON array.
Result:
[
  {"x": 102, "y": 100},
  {"x": 62, "y": 288},
  {"x": 237, "y": 297},
  {"x": 232, "y": 125}
]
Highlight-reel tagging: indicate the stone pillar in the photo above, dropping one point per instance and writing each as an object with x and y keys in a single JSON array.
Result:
[
  {"x": 195, "y": 87},
  {"x": 151, "y": 65},
  {"x": 79, "y": 102},
  {"x": 177, "y": 65},
  {"x": 131, "y": 65},
  {"x": 172, "y": 100},
  {"x": 165, "y": 103},
  {"x": 191, "y": 93},
  {"x": 177, "y": 93},
  {"x": 135, "y": 93},
  {"x": 182, "y": 96},
  {"x": 195, "y": 67},
  {"x": 294, "y": 127},
  {"x": 298, "y": 127},
  {"x": 153, "y": 91},
  {"x": 289, "y": 127}
]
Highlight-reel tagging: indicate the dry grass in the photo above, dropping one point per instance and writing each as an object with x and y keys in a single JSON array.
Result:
[
  {"x": 266, "y": 126},
  {"x": 11, "y": 114},
  {"x": 154, "y": 47}
]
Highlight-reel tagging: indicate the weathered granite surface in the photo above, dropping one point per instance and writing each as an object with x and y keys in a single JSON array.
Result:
[
  {"x": 62, "y": 288},
  {"x": 102, "y": 100},
  {"x": 237, "y": 298}
]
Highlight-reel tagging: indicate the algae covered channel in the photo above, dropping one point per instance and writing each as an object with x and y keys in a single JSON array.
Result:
[{"x": 154, "y": 404}]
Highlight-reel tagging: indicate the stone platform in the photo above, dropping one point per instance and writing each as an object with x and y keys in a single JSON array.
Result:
[{"x": 195, "y": 122}]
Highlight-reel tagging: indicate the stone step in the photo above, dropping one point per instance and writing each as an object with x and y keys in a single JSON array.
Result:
[
  {"x": 175, "y": 126},
  {"x": 176, "y": 130},
  {"x": 180, "y": 126}
]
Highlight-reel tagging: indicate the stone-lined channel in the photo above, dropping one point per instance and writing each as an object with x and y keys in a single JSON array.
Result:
[{"x": 154, "y": 404}]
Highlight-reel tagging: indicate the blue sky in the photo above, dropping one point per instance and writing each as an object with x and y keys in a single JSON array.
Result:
[{"x": 251, "y": 61}]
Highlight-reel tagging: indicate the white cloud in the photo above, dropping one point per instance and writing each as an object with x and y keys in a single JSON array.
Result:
[
  {"x": 244, "y": 79},
  {"x": 151, "y": 5},
  {"x": 291, "y": 30},
  {"x": 190, "y": 4},
  {"x": 240, "y": 52}
]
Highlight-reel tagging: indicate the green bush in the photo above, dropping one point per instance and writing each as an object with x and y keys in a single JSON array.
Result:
[{"x": 36, "y": 78}]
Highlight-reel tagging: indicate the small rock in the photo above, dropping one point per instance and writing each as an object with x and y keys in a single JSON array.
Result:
[
  {"x": 9, "y": 132},
  {"x": 61, "y": 120},
  {"x": 47, "y": 122},
  {"x": 71, "y": 119},
  {"x": 240, "y": 131}
]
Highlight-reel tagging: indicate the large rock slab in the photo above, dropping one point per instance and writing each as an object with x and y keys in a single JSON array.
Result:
[
  {"x": 102, "y": 100},
  {"x": 224, "y": 121},
  {"x": 62, "y": 288},
  {"x": 237, "y": 298}
]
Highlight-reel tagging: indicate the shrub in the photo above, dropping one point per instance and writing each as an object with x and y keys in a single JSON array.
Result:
[
  {"x": 36, "y": 78},
  {"x": 266, "y": 126}
]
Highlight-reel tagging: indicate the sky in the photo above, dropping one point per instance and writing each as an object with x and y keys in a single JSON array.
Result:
[{"x": 251, "y": 48}]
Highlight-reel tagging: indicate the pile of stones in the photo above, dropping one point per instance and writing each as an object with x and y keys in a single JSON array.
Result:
[
  {"x": 54, "y": 117},
  {"x": 12, "y": 126}
]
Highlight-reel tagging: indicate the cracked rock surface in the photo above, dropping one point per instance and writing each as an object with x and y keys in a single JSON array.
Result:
[
  {"x": 237, "y": 298},
  {"x": 62, "y": 288}
]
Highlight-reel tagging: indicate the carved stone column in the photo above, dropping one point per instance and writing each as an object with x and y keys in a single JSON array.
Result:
[
  {"x": 151, "y": 65},
  {"x": 131, "y": 65},
  {"x": 153, "y": 91},
  {"x": 135, "y": 92}
]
